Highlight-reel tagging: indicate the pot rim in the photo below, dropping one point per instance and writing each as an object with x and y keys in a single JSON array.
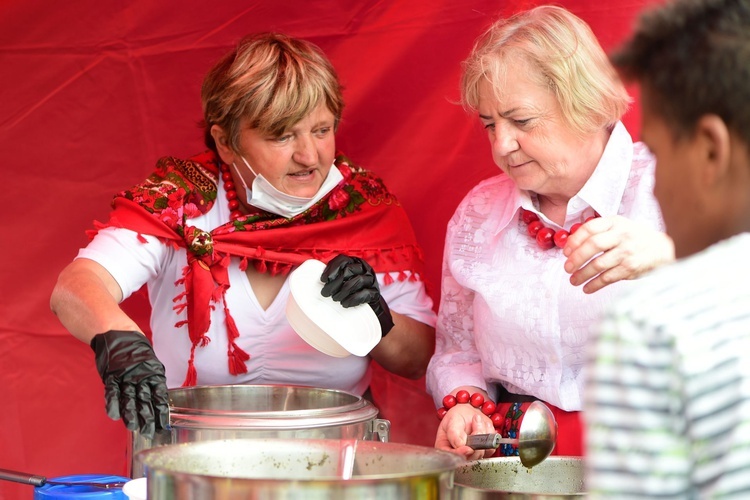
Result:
[
  {"x": 185, "y": 415},
  {"x": 182, "y": 409},
  {"x": 449, "y": 461}
]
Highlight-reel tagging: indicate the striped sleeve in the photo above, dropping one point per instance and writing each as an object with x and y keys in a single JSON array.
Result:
[
  {"x": 633, "y": 414},
  {"x": 668, "y": 388}
]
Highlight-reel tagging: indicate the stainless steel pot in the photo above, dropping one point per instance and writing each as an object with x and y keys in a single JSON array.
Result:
[
  {"x": 505, "y": 477},
  {"x": 264, "y": 411},
  {"x": 297, "y": 469}
]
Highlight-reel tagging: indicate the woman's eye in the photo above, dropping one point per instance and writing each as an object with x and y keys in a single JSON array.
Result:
[
  {"x": 522, "y": 122},
  {"x": 489, "y": 126},
  {"x": 323, "y": 131},
  {"x": 283, "y": 138}
]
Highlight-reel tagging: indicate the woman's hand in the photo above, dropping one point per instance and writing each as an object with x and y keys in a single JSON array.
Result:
[
  {"x": 351, "y": 281},
  {"x": 135, "y": 386},
  {"x": 609, "y": 249},
  {"x": 460, "y": 422}
]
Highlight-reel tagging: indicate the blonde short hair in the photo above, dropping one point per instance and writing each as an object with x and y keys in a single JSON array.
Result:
[
  {"x": 570, "y": 60},
  {"x": 273, "y": 81}
]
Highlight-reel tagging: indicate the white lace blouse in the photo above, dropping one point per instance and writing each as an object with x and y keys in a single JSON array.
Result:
[{"x": 508, "y": 313}]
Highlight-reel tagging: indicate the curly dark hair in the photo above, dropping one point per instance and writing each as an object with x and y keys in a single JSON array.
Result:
[{"x": 693, "y": 56}]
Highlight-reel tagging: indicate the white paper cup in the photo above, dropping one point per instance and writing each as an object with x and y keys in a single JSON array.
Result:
[{"x": 136, "y": 489}]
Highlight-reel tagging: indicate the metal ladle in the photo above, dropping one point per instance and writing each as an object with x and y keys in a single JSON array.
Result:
[{"x": 536, "y": 436}]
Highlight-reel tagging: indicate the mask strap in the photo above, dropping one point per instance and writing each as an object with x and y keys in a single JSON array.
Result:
[
  {"x": 237, "y": 171},
  {"x": 248, "y": 166}
]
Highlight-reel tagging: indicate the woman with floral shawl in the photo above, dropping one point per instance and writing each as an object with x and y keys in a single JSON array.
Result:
[{"x": 214, "y": 237}]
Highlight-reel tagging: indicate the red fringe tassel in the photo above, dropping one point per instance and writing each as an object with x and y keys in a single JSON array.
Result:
[{"x": 191, "y": 378}]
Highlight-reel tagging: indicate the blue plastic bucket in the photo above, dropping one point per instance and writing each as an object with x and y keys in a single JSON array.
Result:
[{"x": 65, "y": 492}]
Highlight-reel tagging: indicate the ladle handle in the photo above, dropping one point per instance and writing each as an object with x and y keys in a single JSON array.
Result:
[
  {"x": 22, "y": 477},
  {"x": 488, "y": 441}
]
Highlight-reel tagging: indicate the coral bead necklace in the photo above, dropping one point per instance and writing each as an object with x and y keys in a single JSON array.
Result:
[
  {"x": 234, "y": 203},
  {"x": 546, "y": 237}
]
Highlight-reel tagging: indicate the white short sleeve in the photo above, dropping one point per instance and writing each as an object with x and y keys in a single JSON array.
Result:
[
  {"x": 129, "y": 260},
  {"x": 408, "y": 298}
]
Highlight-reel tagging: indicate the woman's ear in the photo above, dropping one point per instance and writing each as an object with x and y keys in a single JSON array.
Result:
[
  {"x": 222, "y": 144},
  {"x": 714, "y": 142}
]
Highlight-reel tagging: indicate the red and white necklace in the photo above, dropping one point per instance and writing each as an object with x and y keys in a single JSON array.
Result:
[{"x": 546, "y": 237}]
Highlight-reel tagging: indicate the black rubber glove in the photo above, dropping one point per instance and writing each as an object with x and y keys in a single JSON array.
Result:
[
  {"x": 135, "y": 385},
  {"x": 351, "y": 281}
]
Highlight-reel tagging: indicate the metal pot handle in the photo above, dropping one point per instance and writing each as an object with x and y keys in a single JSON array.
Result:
[{"x": 380, "y": 430}]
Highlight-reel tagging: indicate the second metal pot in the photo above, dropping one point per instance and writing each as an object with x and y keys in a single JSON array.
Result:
[{"x": 506, "y": 478}]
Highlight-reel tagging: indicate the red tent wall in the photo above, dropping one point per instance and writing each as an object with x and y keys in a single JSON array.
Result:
[{"x": 94, "y": 92}]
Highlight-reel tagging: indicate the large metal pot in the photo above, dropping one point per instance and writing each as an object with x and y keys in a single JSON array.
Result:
[
  {"x": 505, "y": 477},
  {"x": 264, "y": 411},
  {"x": 297, "y": 469}
]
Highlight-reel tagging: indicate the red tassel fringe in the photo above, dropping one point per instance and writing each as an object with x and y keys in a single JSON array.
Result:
[
  {"x": 191, "y": 378},
  {"x": 237, "y": 358}
]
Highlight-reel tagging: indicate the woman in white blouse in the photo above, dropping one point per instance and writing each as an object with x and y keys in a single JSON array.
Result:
[{"x": 530, "y": 253}]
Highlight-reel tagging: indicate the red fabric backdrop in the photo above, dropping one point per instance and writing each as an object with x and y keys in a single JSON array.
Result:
[{"x": 94, "y": 92}]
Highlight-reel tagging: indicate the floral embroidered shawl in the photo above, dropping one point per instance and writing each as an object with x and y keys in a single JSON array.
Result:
[{"x": 359, "y": 217}]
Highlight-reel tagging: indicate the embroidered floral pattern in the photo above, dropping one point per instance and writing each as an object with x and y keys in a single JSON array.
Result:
[
  {"x": 198, "y": 241},
  {"x": 178, "y": 190}
]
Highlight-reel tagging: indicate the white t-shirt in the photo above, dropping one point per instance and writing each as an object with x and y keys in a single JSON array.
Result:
[
  {"x": 277, "y": 354},
  {"x": 668, "y": 396}
]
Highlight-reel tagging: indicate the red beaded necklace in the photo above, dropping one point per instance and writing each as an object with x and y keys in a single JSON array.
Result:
[
  {"x": 234, "y": 203},
  {"x": 546, "y": 237}
]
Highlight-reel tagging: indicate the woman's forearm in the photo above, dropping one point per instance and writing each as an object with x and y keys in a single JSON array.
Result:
[{"x": 407, "y": 348}]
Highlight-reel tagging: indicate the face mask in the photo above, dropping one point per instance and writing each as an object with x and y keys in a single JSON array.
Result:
[{"x": 266, "y": 197}]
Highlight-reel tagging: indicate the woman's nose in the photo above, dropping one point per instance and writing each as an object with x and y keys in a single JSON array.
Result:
[
  {"x": 504, "y": 141},
  {"x": 305, "y": 152}
]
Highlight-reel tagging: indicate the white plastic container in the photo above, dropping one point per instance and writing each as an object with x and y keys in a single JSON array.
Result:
[{"x": 136, "y": 489}]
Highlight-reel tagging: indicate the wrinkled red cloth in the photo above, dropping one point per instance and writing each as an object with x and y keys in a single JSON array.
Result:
[{"x": 359, "y": 217}]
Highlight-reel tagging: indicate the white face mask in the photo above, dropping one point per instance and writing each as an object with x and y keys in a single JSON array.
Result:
[{"x": 266, "y": 197}]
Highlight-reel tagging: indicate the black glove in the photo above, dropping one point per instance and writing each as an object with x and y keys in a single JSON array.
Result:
[
  {"x": 135, "y": 385},
  {"x": 351, "y": 281}
]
